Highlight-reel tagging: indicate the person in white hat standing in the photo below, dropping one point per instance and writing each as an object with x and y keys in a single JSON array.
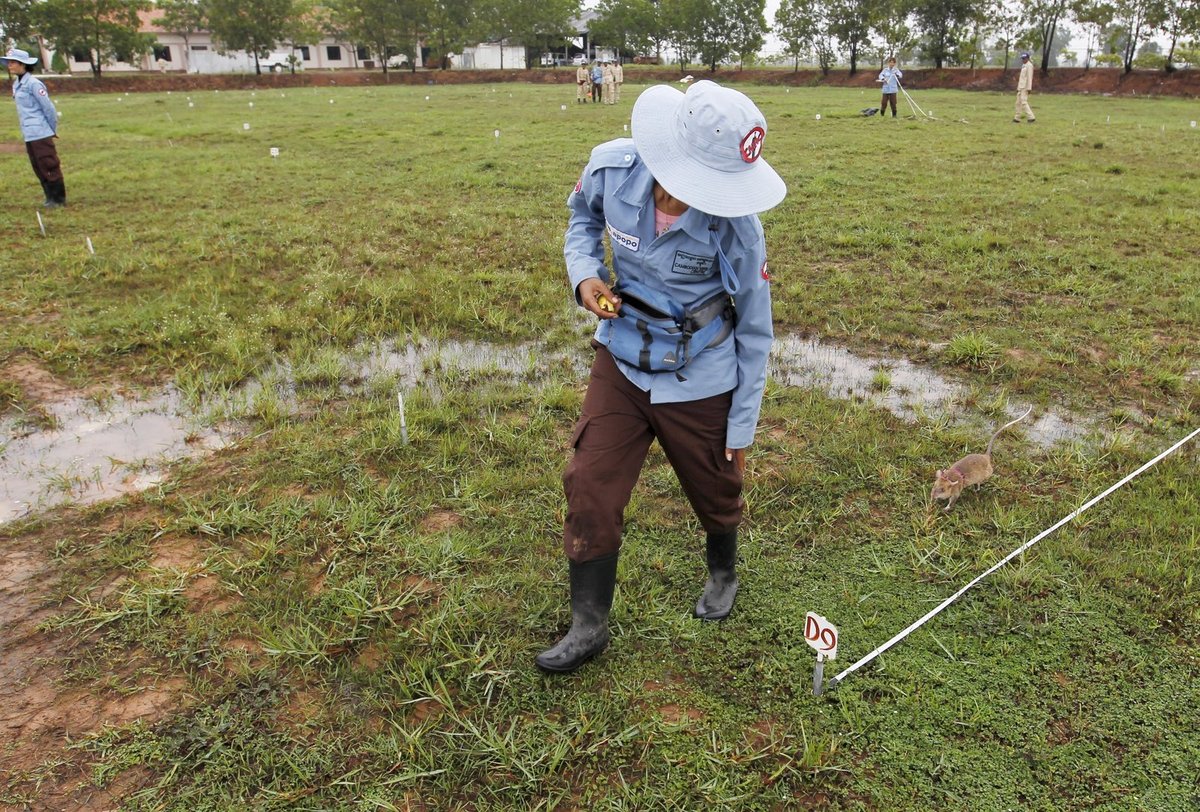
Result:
[
  {"x": 679, "y": 202},
  {"x": 1024, "y": 85},
  {"x": 39, "y": 125}
]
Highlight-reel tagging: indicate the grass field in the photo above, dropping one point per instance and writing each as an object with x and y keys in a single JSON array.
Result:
[{"x": 324, "y": 617}]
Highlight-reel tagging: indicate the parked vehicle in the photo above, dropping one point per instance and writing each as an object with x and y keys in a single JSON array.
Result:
[{"x": 280, "y": 61}]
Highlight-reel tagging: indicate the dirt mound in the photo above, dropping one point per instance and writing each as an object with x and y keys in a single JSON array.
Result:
[{"x": 1059, "y": 80}]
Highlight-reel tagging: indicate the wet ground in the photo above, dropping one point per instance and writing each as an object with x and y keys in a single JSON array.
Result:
[{"x": 101, "y": 450}]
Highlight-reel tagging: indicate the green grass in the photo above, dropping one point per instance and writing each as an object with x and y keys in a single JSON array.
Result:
[{"x": 356, "y": 619}]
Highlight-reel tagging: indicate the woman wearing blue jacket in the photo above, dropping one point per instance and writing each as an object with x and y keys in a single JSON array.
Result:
[
  {"x": 890, "y": 76},
  {"x": 679, "y": 203},
  {"x": 39, "y": 125}
]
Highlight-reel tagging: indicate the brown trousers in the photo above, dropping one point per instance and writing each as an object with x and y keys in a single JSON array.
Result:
[
  {"x": 611, "y": 440},
  {"x": 44, "y": 158},
  {"x": 883, "y": 105}
]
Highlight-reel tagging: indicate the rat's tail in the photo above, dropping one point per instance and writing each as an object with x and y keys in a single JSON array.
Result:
[{"x": 988, "y": 453}]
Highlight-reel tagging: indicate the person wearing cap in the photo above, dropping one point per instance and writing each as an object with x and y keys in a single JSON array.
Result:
[
  {"x": 583, "y": 82},
  {"x": 890, "y": 76},
  {"x": 610, "y": 84},
  {"x": 39, "y": 125},
  {"x": 679, "y": 202},
  {"x": 1024, "y": 85}
]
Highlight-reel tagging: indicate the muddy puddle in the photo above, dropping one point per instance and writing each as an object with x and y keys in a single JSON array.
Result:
[
  {"x": 909, "y": 391},
  {"x": 98, "y": 451}
]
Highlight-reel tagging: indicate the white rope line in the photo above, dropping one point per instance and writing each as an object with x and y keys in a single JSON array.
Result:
[
  {"x": 932, "y": 613},
  {"x": 912, "y": 104}
]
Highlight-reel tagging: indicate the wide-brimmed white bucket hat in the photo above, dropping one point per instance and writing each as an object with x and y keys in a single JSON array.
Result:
[
  {"x": 17, "y": 55},
  {"x": 705, "y": 148}
]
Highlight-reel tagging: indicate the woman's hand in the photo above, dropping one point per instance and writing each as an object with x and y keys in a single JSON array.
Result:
[
  {"x": 594, "y": 295},
  {"x": 738, "y": 457}
]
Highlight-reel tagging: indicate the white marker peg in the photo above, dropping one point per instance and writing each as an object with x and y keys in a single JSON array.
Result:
[
  {"x": 1107, "y": 119},
  {"x": 90, "y": 249},
  {"x": 496, "y": 133},
  {"x": 562, "y": 107},
  {"x": 331, "y": 101},
  {"x": 191, "y": 104},
  {"x": 1193, "y": 125},
  {"x": 403, "y": 423},
  {"x": 426, "y": 98},
  {"x": 246, "y": 125},
  {"x": 274, "y": 152},
  {"x": 251, "y": 104},
  {"x": 625, "y": 127},
  {"x": 818, "y": 116},
  {"x": 41, "y": 225}
]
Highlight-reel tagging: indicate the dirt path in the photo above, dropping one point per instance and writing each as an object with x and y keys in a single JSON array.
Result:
[{"x": 1114, "y": 81}]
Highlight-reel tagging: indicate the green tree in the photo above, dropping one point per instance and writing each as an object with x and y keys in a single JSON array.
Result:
[
  {"x": 944, "y": 23},
  {"x": 1137, "y": 19},
  {"x": 1044, "y": 17},
  {"x": 384, "y": 26},
  {"x": 451, "y": 24},
  {"x": 16, "y": 19},
  {"x": 106, "y": 29},
  {"x": 253, "y": 26},
  {"x": 306, "y": 25},
  {"x": 183, "y": 17},
  {"x": 682, "y": 29},
  {"x": 891, "y": 23},
  {"x": 797, "y": 24},
  {"x": 850, "y": 21},
  {"x": 633, "y": 26},
  {"x": 538, "y": 25},
  {"x": 1095, "y": 16},
  {"x": 1180, "y": 19}
]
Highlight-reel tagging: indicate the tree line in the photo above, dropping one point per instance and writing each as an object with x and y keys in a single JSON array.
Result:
[{"x": 708, "y": 32}]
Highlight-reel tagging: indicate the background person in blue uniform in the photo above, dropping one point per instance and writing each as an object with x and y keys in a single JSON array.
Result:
[
  {"x": 890, "y": 76},
  {"x": 679, "y": 203},
  {"x": 39, "y": 125}
]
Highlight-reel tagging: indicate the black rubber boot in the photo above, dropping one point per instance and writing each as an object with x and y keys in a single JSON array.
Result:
[
  {"x": 592, "y": 584},
  {"x": 721, "y": 589},
  {"x": 45, "y": 191},
  {"x": 56, "y": 194}
]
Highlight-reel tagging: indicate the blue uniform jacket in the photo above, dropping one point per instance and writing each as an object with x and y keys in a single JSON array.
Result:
[
  {"x": 35, "y": 111},
  {"x": 597, "y": 75},
  {"x": 615, "y": 195},
  {"x": 891, "y": 79}
]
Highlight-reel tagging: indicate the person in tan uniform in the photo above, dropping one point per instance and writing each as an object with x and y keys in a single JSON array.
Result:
[
  {"x": 1024, "y": 85},
  {"x": 610, "y": 84},
  {"x": 619, "y": 77},
  {"x": 583, "y": 83}
]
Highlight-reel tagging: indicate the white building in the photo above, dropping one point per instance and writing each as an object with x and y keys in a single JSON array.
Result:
[
  {"x": 197, "y": 53},
  {"x": 489, "y": 56}
]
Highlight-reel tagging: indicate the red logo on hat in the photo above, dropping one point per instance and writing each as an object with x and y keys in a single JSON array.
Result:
[
  {"x": 752, "y": 144},
  {"x": 579, "y": 185}
]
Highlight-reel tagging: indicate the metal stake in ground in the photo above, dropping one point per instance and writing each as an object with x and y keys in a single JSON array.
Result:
[{"x": 833, "y": 683}]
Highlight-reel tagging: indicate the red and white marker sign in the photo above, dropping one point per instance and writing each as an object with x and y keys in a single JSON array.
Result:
[{"x": 821, "y": 635}]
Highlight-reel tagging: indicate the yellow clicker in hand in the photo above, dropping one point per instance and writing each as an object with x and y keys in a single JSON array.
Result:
[{"x": 604, "y": 303}]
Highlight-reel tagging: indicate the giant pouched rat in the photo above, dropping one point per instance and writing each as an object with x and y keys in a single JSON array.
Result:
[{"x": 970, "y": 470}]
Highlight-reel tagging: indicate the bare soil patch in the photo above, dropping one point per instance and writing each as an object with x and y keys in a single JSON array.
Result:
[
  {"x": 439, "y": 521},
  {"x": 42, "y": 711},
  {"x": 39, "y": 385}
]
